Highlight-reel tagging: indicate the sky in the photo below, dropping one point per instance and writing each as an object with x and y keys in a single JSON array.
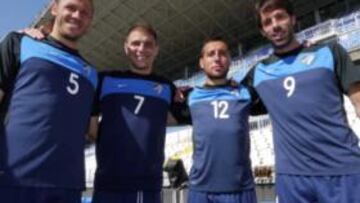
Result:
[{"x": 17, "y": 14}]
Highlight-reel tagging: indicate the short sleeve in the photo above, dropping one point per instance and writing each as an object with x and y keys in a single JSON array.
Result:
[
  {"x": 346, "y": 71},
  {"x": 9, "y": 60}
]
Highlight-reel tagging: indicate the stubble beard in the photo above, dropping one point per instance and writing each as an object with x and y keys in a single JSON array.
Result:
[{"x": 290, "y": 38}]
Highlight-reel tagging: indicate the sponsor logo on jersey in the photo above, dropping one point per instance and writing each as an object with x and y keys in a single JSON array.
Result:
[{"x": 121, "y": 85}]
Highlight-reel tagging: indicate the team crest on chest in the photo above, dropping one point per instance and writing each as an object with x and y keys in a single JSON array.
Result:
[
  {"x": 235, "y": 92},
  {"x": 158, "y": 88},
  {"x": 86, "y": 70},
  {"x": 307, "y": 59}
]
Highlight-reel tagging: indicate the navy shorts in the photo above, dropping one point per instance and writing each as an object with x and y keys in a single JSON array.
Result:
[
  {"x": 246, "y": 196},
  {"x": 39, "y": 195},
  {"x": 127, "y": 197},
  {"x": 318, "y": 189}
]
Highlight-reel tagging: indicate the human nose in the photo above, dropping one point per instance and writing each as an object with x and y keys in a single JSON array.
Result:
[
  {"x": 76, "y": 14},
  {"x": 275, "y": 24},
  {"x": 217, "y": 56},
  {"x": 141, "y": 47}
]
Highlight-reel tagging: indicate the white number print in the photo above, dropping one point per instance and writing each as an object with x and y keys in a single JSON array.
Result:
[
  {"x": 73, "y": 87},
  {"x": 140, "y": 100},
  {"x": 289, "y": 85},
  {"x": 220, "y": 109}
]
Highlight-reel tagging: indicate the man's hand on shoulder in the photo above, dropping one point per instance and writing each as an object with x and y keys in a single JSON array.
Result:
[
  {"x": 181, "y": 93},
  {"x": 36, "y": 33}
]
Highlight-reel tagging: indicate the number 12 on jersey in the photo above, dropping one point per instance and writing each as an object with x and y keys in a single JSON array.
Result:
[{"x": 220, "y": 109}]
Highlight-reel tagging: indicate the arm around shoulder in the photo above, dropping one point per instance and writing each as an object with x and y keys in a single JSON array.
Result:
[{"x": 180, "y": 111}]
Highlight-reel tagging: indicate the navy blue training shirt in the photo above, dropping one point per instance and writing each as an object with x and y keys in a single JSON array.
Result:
[
  {"x": 221, "y": 158},
  {"x": 49, "y": 90},
  {"x": 303, "y": 93},
  {"x": 130, "y": 145}
]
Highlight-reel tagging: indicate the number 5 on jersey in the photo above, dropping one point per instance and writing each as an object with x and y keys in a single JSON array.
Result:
[{"x": 73, "y": 86}]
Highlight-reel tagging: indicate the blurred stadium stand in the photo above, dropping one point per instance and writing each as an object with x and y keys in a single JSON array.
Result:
[{"x": 345, "y": 30}]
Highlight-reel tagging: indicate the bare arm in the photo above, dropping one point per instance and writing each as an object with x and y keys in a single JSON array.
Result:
[
  {"x": 179, "y": 97},
  {"x": 179, "y": 110},
  {"x": 354, "y": 95},
  {"x": 93, "y": 128},
  {"x": 171, "y": 120}
]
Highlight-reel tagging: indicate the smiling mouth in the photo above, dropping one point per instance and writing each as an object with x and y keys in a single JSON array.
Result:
[
  {"x": 74, "y": 26},
  {"x": 141, "y": 58},
  {"x": 218, "y": 68},
  {"x": 74, "y": 23}
]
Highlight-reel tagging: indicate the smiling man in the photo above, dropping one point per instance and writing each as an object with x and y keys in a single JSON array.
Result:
[
  {"x": 317, "y": 154},
  {"x": 47, "y": 90},
  {"x": 134, "y": 108}
]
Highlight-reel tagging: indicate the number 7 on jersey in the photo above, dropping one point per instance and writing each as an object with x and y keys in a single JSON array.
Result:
[{"x": 140, "y": 103}]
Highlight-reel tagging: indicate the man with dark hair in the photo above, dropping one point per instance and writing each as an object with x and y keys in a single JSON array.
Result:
[
  {"x": 221, "y": 170},
  {"x": 134, "y": 107},
  {"x": 270, "y": 5},
  {"x": 46, "y": 91},
  {"x": 317, "y": 154}
]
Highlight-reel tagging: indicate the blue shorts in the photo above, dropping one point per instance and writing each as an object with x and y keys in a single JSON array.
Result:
[
  {"x": 318, "y": 189},
  {"x": 39, "y": 195},
  {"x": 246, "y": 196},
  {"x": 126, "y": 197}
]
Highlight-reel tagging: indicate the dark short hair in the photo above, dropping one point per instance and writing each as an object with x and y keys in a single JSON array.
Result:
[
  {"x": 268, "y": 5},
  {"x": 144, "y": 27},
  {"x": 209, "y": 39}
]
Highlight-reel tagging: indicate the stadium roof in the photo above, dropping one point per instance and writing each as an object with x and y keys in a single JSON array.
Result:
[{"x": 182, "y": 26}]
